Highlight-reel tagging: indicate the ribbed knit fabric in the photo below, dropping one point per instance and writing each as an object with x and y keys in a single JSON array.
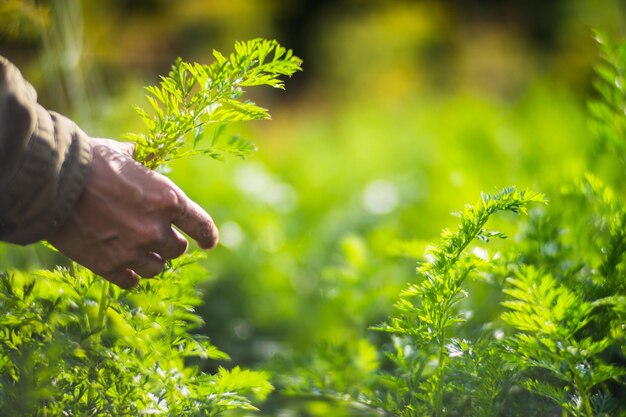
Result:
[{"x": 44, "y": 159}]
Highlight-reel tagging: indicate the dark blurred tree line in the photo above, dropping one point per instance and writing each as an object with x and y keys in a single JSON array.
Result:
[{"x": 76, "y": 49}]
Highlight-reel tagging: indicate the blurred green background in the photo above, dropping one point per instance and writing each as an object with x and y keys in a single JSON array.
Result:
[{"x": 405, "y": 111}]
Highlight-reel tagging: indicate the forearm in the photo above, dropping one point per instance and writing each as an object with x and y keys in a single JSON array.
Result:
[{"x": 44, "y": 159}]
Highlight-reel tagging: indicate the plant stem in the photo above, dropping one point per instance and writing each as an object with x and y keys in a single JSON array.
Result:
[
  {"x": 587, "y": 404},
  {"x": 104, "y": 304},
  {"x": 440, "y": 366},
  {"x": 72, "y": 272},
  {"x": 584, "y": 394}
]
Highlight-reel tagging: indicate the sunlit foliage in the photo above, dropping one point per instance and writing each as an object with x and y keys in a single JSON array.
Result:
[
  {"x": 73, "y": 345},
  {"x": 549, "y": 340}
]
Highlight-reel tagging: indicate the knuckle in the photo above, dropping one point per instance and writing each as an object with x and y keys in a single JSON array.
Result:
[
  {"x": 173, "y": 203},
  {"x": 175, "y": 246},
  {"x": 104, "y": 267},
  {"x": 181, "y": 244},
  {"x": 179, "y": 248},
  {"x": 164, "y": 199},
  {"x": 151, "y": 234},
  {"x": 119, "y": 256},
  {"x": 150, "y": 267},
  {"x": 150, "y": 273}
]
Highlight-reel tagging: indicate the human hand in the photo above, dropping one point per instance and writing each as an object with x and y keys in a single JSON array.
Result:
[{"x": 121, "y": 227}]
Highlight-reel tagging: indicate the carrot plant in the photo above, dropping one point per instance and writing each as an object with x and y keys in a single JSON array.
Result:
[
  {"x": 429, "y": 310},
  {"x": 549, "y": 337},
  {"x": 72, "y": 345},
  {"x": 194, "y": 95},
  {"x": 549, "y": 342}
]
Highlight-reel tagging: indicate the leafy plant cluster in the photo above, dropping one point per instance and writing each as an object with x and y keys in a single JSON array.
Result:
[
  {"x": 65, "y": 352},
  {"x": 608, "y": 120},
  {"x": 549, "y": 337},
  {"x": 194, "y": 95},
  {"x": 73, "y": 345}
]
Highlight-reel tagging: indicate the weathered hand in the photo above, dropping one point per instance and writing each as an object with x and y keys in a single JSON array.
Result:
[{"x": 121, "y": 227}]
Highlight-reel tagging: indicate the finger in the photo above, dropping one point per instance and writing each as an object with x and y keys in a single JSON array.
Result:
[
  {"x": 172, "y": 246},
  {"x": 125, "y": 278},
  {"x": 148, "y": 265},
  {"x": 196, "y": 222}
]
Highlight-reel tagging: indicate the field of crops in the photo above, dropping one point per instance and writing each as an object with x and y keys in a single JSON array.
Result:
[{"x": 433, "y": 224}]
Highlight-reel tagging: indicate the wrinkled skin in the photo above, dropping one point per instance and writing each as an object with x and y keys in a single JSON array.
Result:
[{"x": 121, "y": 227}]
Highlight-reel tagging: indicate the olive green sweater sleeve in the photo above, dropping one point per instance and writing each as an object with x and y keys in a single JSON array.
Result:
[{"x": 44, "y": 159}]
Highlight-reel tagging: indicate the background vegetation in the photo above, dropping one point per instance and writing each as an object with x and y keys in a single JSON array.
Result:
[{"x": 405, "y": 111}]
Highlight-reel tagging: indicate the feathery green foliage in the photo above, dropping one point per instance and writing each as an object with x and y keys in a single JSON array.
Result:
[
  {"x": 428, "y": 310},
  {"x": 565, "y": 307},
  {"x": 73, "y": 345},
  {"x": 58, "y": 358},
  {"x": 194, "y": 95},
  {"x": 608, "y": 120},
  {"x": 550, "y": 319},
  {"x": 551, "y": 339}
]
